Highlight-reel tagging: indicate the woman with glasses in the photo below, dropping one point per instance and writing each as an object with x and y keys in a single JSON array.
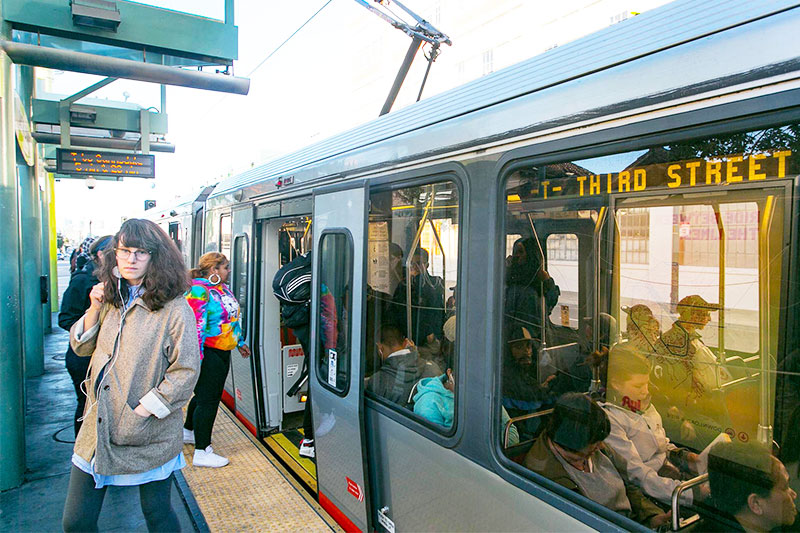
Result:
[
  {"x": 217, "y": 315},
  {"x": 571, "y": 453},
  {"x": 142, "y": 338}
]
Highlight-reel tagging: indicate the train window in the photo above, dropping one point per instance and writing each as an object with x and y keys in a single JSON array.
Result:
[
  {"x": 333, "y": 324},
  {"x": 412, "y": 276},
  {"x": 225, "y": 233},
  {"x": 239, "y": 278},
  {"x": 562, "y": 264},
  {"x": 671, "y": 260}
]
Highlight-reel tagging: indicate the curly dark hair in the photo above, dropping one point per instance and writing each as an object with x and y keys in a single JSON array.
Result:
[{"x": 166, "y": 277}]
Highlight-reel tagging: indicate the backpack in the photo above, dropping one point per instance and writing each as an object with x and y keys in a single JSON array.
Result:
[{"x": 292, "y": 287}]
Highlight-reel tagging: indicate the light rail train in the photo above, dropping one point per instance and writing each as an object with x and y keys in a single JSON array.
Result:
[{"x": 653, "y": 163}]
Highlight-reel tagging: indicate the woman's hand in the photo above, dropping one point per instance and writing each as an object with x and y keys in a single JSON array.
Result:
[
  {"x": 95, "y": 304},
  {"x": 244, "y": 350},
  {"x": 96, "y": 297},
  {"x": 141, "y": 411}
]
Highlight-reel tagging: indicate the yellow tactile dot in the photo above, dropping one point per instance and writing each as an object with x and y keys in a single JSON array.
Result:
[{"x": 249, "y": 494}]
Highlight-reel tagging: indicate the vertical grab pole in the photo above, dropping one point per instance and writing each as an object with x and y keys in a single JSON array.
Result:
[
  {"x": 441, "y": 249},
  {"x": 414, "y": 245},
  {"x": 721, "y": 298},
  {"x": 764, "y": 422},
  {"x": 542, "y": 302},
  {"x": 596, "y": 383}
]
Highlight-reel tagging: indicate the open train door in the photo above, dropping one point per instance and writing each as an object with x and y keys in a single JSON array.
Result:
[{"x": 336, "y": 364}]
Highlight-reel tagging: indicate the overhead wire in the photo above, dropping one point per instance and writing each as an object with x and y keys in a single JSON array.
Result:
[
  {"x": 288, "y": 38},
  {"x": 261, "y": 63}
]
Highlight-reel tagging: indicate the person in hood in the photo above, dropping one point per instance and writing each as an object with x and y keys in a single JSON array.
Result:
[
  {"x": 402, "y": 367},
  {"x": 74, "y": 304},
  {"x": 217, "y": 314},
  {"x": 527, "y": 283},
  {"x": 435, "y": 399}
]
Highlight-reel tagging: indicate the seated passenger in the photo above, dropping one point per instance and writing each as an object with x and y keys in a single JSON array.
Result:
[
  {"x": 435, "y": 399},
  {"x": 683, "y": 340},
  {"x": 401, "y": 367},
  {"x": 522, "y": 392},
  {"x": 642, "y": 330},
  {"x": 653, "y": 463},
  {"x": 570, "y": 452},
  {"x": 688, "y": 379},
  {"x": 752, "y": 486}
]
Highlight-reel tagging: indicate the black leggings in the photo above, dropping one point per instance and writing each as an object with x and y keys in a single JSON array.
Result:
[
  {"x": 84, "y": 503},
  {"x": 203, "y": 408},
  {"x": 77, "y": 367}
]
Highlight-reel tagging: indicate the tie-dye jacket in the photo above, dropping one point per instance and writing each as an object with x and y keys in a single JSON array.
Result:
[{"x": 217, "y": 313}]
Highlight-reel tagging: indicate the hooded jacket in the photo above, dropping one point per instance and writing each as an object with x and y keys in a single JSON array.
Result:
[
  {"x": 400, "y": 371},
  {"x": 434, "y": 402}
]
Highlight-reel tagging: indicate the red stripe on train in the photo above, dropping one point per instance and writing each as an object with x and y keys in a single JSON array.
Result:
[
  {"x": 228, "y": 400},
  {"x": 337, "y": 515}
]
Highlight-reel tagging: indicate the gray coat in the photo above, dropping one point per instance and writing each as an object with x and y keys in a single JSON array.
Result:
[
  {"x": 399, "y": 373},
  {"x": 157, "y": 365}
]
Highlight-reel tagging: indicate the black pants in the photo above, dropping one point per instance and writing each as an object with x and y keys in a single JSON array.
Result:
[
  {"x": 84, "y": 503},
  {"x": 302, "y": 333},
  {"x": 203, "y": 408},
  {"x": 77, "y": 367}
]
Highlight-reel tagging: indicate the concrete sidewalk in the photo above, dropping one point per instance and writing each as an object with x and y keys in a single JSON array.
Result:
[{"x": 38, "y": 504}]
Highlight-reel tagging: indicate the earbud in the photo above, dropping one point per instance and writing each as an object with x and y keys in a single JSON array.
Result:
[{"x": 115, "y": 272}]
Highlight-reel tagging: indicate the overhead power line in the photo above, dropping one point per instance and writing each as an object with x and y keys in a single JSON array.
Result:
[{"x": 288, "y": 38}]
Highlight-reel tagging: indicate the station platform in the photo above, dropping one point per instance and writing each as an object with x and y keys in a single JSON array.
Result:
[{"x": 253, "y": 493}]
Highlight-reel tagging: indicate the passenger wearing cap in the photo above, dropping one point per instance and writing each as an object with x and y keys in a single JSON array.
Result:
[
  {"x": 684, "y": 340},
  {"x": 570, "y": 452},
  {"x": 689, "y": 377},
  {"x": 522, "y": 392}
]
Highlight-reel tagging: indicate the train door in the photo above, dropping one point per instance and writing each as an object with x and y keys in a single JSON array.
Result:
[
  {"x": 239, "y": 282},
  {"x": 336, "y": 364},
  {"x": 284, "y": 231}
]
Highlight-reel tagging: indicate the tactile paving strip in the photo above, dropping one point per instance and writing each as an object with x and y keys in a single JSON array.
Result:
[{"x": 250, "y": 493}]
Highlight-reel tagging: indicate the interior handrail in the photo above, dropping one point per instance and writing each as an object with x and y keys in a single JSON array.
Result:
[
  {"x": 765, "y": 393},
  {"x": 520, "y": 418},
  {"x": 677, "y": 521}
]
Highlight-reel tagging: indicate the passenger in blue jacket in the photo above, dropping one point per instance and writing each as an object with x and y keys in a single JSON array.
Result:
[{"x": 435, "y": 399}]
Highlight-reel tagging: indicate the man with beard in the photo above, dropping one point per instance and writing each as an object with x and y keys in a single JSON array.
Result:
[{"x": 522, "y": 392}]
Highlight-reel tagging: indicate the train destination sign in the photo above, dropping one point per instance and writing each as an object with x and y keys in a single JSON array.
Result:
[{"x": 110, "y": 164}]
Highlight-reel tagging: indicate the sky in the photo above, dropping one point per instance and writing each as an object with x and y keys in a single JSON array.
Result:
[{"x": 333, "y": 75}]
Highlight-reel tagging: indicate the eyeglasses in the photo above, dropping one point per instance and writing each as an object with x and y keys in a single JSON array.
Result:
[{"x": 125, "y": 253}]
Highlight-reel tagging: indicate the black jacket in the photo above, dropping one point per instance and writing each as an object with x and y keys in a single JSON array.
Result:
[{"x": 76, "y": 298}]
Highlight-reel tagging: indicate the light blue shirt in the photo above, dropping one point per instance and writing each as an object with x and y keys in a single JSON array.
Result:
[{"x": 125, "y": 480}]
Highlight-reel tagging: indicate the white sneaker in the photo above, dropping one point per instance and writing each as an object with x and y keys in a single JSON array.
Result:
[
  {"x": 188, "y": 436},
  {"x": 307, "y": 448},
  {"x": 208, "y": 458}
]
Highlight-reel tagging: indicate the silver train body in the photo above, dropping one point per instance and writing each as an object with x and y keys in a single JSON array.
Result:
[{"x": 687, "y": 69}]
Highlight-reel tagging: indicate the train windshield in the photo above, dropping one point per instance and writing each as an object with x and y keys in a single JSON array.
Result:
[{"x": 654, "y": 282}]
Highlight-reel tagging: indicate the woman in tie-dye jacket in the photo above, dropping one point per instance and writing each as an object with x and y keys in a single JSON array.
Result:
[{"x": 218, "y": 330}]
